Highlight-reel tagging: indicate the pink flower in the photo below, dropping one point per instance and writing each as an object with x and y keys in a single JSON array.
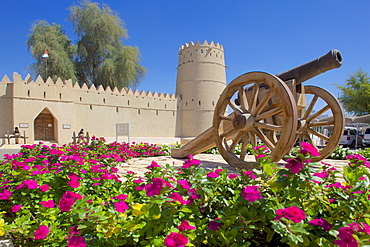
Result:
[
  {"x": 232, "y": 175},
  {"x": 44, "y": 187},
  {"x": 185, "y": 226},
  {"x": 345, "y": 238},
  {"x": 308, "y": 148},
  {"x": 31, "y": 184},
  {"x": 5, "y": 195},
  {"x": 295, "y": 214},
  {"x": 41, "y": 232},
  {"x": 121, "y": 206},
  {"x": 190, "y": 162},
  {"x": 16, "y": 208},
  {"x": 76, "y": 241},
  {"x": 294, "y": 165},
  {"x": 175, "y": 239},
  {"x": 321, "y": 223},
  {"x": 48, "y": 203},
  {"x": 213, "y": 225},
  {"x": 251, "y": 193},
  {"x": 323, "y": 174},
  {"x": 250, "y": 174},
  {"x": 177, "y": 197},
  {"x": 153, "y": 165},
  {"x": 72, "y": 231},
  {"x": 122, "y": 197},
  {"x": 67, "y": 201},
  {"x": 212, "y": 174},
  {"x": 184, "y": 184},
  {"x": 156, "y": 186},
  {"x": 138, "y": 181},
  {"x": 74, "y": 183}
]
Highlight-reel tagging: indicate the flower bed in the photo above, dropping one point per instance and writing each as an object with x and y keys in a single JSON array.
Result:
[{"x": 72, "y": 196}]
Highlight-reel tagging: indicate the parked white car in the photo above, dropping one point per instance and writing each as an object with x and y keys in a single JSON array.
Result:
[
  {"x": 349, "y": 137},
  {"x": 367, "y": 137}
]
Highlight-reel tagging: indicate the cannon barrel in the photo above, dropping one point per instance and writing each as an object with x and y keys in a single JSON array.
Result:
[{"x": 331, "y": 60}]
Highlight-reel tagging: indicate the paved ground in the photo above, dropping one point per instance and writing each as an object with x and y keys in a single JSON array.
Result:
[{"x": 209, "y": 161}]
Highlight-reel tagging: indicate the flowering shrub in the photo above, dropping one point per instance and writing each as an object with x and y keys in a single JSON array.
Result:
[{"x": 73, "y": 196}]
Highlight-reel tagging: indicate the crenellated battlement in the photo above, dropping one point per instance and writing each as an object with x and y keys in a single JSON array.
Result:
[
  {"x": 84, "y": 88},
  {"x": 198, "y": 45}
]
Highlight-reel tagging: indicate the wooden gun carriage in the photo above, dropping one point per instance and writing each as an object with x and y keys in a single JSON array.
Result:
[{"x": 273, "y": 109}]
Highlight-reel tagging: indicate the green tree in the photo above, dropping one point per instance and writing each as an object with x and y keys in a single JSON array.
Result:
[
  {"x": 99, "y": 56},
  {"x": 356, "y": 93},
  {"x": 102, "y": 59},
  {"x": 53, "y": 39}
]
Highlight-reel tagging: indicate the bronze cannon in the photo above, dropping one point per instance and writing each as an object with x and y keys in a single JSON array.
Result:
[{"x": 277, "y": 110}]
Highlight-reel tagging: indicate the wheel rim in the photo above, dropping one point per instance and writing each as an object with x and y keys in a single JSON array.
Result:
[
  {"x": 267, "y": 110},
  {"x": 308, "y": 126}
]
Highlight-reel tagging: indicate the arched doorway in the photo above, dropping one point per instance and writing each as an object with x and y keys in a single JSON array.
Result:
[{"x": 44, "y": 126}]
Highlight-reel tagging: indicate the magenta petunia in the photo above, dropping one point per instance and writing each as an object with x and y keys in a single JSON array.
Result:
[
  {"x": 184, "y": 226},
  {"x": 294, "y": 165},
  {"x": 76, "y": 241},
  {"x": 190, "y": 162},
  {"x": 321, "y": 223},
  {"x": 41, "y": 232},
  {"x": 232, "y": 175},
  {"x": 214, "y": 226},
  {"x": 74, "y": 183},
  {"x": 345, "y": 238},
  {"x": 31, "y": 184},
  {"x": 175, "y": 239},
  {"x": 121, "y": 206},
  {"x": 44, "y": 187},
  {"x": 310, "y": 149},
  {"x": 250, "y": 174},
  {"x": 177, "y": 197},
  {"x": 184, "y": 184},
  {"x": 251, "y": 193},
  {"x": 295, "y": 214},
  {"x": 16, "y": 208},
  {"x": 48, "y": 204},
  {"x": 212, "y": 174},
  {"x": 153, "y": 165},
  {"x": 156, "y": 186},
  {"x": 5, "y": 195}
]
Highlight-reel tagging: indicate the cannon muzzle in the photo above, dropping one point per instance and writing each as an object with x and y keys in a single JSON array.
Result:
[{"x": 331, "y": 60}]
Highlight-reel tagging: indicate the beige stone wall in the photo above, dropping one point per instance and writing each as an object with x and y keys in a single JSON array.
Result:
[{"x": 96, "y": 110}]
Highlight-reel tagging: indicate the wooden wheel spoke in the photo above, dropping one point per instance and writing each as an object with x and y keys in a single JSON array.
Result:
[
  {"x": 244, "y": 147},
  {"x": 310, "y": 107},
  {"x": 318, "y": 134},
  {"x": 317, "y": 114},
  {"x": 228, "y": 133},
  {"x": 263, "y": 103},
  {"x": 268, "y": 126},
  {"x": 308, "y": 137},
  {"x": 255, "y": 92},
  {"x": 236, "y": 109},
  {"x": 263, "y": 138},
  {"x": 227, "y": 118},
  {"x": 235, "y": 141},
  {"x": 326, "y": 123},
  {"x": 243, "y": 99},
  {"x": 252, "y": 138},
  {"x": 269, "y": 113}
]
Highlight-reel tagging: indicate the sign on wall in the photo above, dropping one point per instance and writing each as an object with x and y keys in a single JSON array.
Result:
[{"x": 123, "y": 129}]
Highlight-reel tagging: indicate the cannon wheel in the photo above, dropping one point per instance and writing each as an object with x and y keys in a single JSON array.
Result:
[
  {"x": 272, "y": 117},
  {"x": 307, "y": 124}
]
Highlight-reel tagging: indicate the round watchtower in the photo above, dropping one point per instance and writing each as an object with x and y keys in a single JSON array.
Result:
[{"x": 200, "y": 81}]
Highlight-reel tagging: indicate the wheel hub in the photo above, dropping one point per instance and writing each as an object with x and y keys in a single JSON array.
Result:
[
  {"x": 302, "y": 125},
  {"x": 243, "y": 122}
]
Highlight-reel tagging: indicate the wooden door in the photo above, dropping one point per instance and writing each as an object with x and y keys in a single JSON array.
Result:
[{"x": 44, "y": 127}]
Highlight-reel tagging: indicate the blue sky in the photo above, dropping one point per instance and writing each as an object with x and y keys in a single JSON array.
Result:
[{"x": 270, "y": 36}]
